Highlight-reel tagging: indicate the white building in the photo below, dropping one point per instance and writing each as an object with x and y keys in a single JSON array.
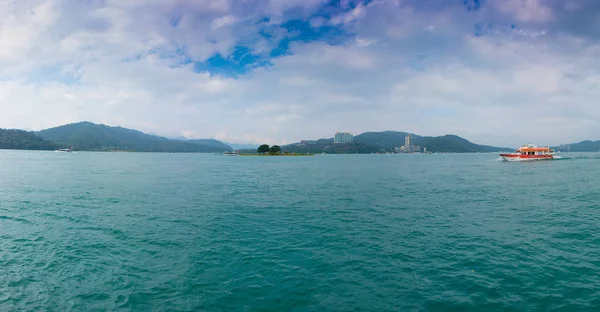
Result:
[
  {"x": 408, "y": 147},
  {"x": 343, "y": 137}
]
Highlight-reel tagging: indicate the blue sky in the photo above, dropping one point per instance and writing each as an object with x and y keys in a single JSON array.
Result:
[{"x": 500, "y": 72}]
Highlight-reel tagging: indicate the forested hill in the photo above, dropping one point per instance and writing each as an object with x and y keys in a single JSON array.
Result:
[
  {"x": 87, "y": 136},
  {"x": 24, "y": 140}
]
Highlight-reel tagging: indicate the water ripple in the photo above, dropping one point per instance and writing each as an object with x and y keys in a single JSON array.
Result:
[{"x": 365, "y": 233}]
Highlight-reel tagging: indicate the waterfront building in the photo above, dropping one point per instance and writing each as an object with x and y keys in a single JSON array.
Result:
[
  {"x": 565, "y": 147},
  {"x": 408, "y": 147},
  {"x": 343, "y": 137}
]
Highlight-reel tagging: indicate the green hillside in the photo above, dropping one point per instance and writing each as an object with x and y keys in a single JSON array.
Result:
[
  {"x": 87, "y": 136},
  {"x": 386, "y": 139},
  {"x": 455, "y": 144},
  {"x": 23, "y": 140}
]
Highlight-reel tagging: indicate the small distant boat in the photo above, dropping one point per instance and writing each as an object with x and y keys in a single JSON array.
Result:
[
  {"x": 234, "y": 153},
  {"x": 529, "y": 152},
  {"x": 67, "y": 150}
]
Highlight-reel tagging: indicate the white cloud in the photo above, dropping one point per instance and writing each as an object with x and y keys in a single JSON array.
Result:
[
  {"x": 399, "y": 68},
  {"x": 525, "y": 10},
  {"x": 222, "y": 21},
  {"x": 362, "y": 42},
  {"x": 351, "y": 16},
  {"x": 347, "y": 56}
]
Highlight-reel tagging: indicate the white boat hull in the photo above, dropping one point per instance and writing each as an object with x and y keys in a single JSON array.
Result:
[{"x": 509, "y": 158}]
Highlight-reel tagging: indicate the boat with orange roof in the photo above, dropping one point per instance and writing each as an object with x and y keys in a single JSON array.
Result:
[{"x": 529, "y": 152}]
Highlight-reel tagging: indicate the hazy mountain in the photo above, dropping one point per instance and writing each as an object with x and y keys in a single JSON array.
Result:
[
  {"x": 180, "y": 138},
  {"x": 242, "y": 146},
  {"x": 386, "y": 141},
  {"x": 583, "y": 146},
  {"x": 88, "y": 136},
  {"x": 216, "y": 144},
  {"x": 24, "y": 140},
  {"x": 208, "y": 142}
]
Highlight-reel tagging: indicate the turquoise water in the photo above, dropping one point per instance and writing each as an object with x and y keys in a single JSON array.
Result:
[{"x": 193, "y": 232}]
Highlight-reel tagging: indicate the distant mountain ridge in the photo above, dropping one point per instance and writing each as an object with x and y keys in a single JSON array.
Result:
[
  {"x": 583, "y": 146},
  {"x": 386, "y": 141},
  {"x": 87, "y": 136},
  {"x": 242, "y": 146},
  {"x": 210, "y": 141}
]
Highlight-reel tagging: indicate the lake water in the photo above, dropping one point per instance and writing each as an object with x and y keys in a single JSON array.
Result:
[{"x": 195, "y": 232}]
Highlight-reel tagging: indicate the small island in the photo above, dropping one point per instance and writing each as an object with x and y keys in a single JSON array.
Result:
[{"x": 275, "y": 150}]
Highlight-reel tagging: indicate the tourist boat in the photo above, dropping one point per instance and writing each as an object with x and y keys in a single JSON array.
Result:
[
  {"x": 234, "y": 153},
  {"x": 67, "y": 150},
  {"x": 529, "y": 152}
]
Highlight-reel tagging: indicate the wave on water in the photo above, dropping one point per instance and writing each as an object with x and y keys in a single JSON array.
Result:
[
  {"x": 577, "y": 157},
  {"x": 436, "y": 233}
]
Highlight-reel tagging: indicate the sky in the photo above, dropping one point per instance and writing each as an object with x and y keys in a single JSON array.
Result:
[{"x": 498, "y": 72}]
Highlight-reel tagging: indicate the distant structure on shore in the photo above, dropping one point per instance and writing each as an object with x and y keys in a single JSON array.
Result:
[
  {"x": 306, "y": 142},
  {"x": 343, "y": 137},
  {"x": 408, "y": 147},
  {"x": 565, "y": 147}
]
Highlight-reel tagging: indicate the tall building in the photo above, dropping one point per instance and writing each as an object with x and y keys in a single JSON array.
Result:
[
  {"x": 408, "y": 147},
  {"x": 343, "y": 137}
]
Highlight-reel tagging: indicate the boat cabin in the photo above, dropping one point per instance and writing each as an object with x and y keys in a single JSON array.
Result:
[{"x": 532, "y": 150}]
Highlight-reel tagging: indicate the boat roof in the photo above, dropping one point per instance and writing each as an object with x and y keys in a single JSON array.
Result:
[{"x": 532, "y": 148}]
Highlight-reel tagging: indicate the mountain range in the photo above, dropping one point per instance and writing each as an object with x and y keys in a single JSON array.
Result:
[
  {"x": 87, "y": 136},
  {"x": 387, "y": 141}
]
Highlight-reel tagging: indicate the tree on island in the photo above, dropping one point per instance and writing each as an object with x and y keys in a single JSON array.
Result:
[
  {"x": 263, "y": 149},
  {"x": 275, "y": 149}
]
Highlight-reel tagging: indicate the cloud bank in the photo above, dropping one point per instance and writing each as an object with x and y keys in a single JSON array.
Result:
[{"x": 501, "y": 72}]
